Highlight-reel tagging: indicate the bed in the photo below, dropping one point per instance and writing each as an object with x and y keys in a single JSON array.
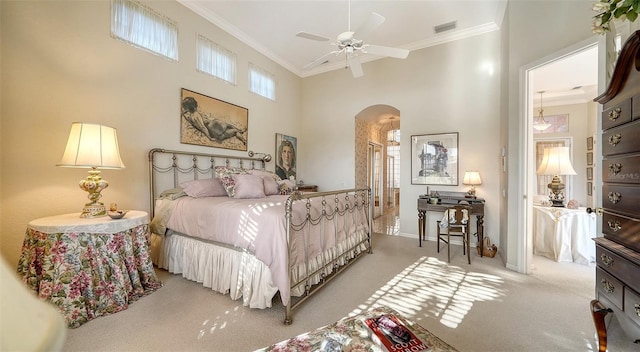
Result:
[{"x": 231, "y": 225}]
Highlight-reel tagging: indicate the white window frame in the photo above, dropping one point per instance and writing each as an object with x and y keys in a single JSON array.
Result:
[
  {"x": 144, "y": 28},
  {"x": 215, "y": 60},
  {"x": 262, "y": 82}
]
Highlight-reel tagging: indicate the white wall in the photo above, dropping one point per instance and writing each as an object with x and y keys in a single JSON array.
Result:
[
  {"x": 60, "y": 65},
  {"x": 446, "y": 88}
]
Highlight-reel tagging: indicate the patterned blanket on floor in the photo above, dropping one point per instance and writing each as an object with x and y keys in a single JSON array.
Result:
[{"x": 378, "y": 329}]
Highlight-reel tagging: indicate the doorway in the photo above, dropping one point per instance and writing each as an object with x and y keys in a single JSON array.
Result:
[
  {"x": 560, "y": 77},
  {"x": 375, "y": 172}
]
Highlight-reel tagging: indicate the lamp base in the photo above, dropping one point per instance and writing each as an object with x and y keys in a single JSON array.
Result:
[
  {"x": 93, "y": 210},
  {"x": 557, "y": 203}
]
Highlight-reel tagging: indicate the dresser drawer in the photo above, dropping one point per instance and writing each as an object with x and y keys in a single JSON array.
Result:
[
  {"x": 621, "y": 169},
  {"x": 610, "y": 287},
  {"x": 616, "y": 115},
  {"x": 623, "y": 139},
  {"x": 621, "y": 229},
  {"x": 623, "y": 199},
  {"x": 632, "y": 305},
  {"x": 618, "y": 266}
]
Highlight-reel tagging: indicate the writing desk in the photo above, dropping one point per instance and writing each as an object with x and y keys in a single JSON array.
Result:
[{"x": 477, "y": 209}]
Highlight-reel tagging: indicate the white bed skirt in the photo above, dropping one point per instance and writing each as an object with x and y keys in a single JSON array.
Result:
[
  {"x": 239, "y": 273},
  {"x": 224, "y": 270}
]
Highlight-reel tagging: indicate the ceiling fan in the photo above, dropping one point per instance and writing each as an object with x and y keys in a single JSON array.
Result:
[{"x": 349, "y": 45}]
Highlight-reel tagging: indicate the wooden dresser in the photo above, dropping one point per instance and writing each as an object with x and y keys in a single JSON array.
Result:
[{"x": 618, "y": 252}]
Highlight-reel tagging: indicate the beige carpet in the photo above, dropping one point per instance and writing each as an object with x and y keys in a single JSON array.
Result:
[{"x": 477, "y": 307}]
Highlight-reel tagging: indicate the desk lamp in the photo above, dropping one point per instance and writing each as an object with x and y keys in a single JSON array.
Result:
[
  {"x": 472, "y": 178},
  {"x": 556, "y": 162},
  {"x": 92, "y": 146}
]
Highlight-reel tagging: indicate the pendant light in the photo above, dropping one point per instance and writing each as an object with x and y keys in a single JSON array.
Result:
[
  {"x": 540, "y": 123},
  {"x": 392, "y": 134}
]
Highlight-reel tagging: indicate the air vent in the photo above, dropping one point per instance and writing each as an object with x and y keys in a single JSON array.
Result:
[{"x": 445, "y": 27}]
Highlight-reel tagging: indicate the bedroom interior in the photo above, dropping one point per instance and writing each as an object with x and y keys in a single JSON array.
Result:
[{"x": 60, "y": 64}]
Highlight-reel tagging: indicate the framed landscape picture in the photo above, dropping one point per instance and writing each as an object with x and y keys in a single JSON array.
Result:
[
  {"x": 434, "y": 159},
  {"x": 211, "y": 122}
]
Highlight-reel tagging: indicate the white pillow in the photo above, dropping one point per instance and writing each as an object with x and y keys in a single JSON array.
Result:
[
  {"x": 209, "y": 187},
  {"x": 248, "y": 186},
  {"x": 271, "y": 187}
]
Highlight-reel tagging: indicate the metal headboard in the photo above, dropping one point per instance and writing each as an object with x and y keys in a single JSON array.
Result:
[{"x": 169, "y": 168}]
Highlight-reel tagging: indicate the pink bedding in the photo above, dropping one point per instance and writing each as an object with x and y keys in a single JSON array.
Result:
[{"x": 258, "y": 225}]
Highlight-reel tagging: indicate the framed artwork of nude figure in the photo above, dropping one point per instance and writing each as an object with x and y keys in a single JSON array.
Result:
[{"x": 212, "y": 122}]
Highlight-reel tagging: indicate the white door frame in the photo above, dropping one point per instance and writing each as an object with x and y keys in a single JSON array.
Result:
[{"x": 526, "y": 161}]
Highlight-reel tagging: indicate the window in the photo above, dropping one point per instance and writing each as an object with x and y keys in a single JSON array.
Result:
[
  {"x": 145, "y": 28},
  {"x": 262, "y": 82},
  {"x": 215, "y": 60},
  {"x": 394, "y": 151}
]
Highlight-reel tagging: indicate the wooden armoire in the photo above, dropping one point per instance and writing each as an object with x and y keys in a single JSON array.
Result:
[{"x": 618, "y": 251}]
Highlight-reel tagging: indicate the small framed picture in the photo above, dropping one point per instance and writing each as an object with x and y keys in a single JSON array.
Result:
[
  {"x": 590, "y": 158},
  {"x": 589, "y": 143},
  {"x": 589, "y": 188},
  {"x": 589, "y": 173}
]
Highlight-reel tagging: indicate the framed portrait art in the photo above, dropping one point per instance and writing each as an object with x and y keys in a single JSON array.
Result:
[
  {"x": 434, "y": 159},
  {"x": 286, "y": 148},
  {"x": 211, "y": 122}
]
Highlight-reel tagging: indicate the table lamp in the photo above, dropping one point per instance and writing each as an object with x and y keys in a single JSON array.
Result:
[
  {"x": 472, "y": 178},
  {"x": 92, "y": 146},
  {"x": 556, "y": 162}
]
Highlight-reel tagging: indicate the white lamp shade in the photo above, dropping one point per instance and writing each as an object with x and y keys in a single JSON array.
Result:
[
  {"x": 556, "y": 161},
  {"x": 92, "y": 145},
  {"x": 472, "y": 178}
]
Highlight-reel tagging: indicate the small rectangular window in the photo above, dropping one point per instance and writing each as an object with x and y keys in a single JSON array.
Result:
[
  {"x": 262, "y": 82},
  {"x": 144, "y": 28},
  {"x": 215, "y": 60}
]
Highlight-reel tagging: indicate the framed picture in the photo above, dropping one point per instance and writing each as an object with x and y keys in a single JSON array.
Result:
[
  {"x": 211, "y": 122},
  {"x": 590, "y": 158},
  {"x": 286, "y": 147},
  {"x": 434, "y": 159},
  {"x": 589, "y": 143},
  {"x": 589, "y": 173},
  {"x": 589, "y": 188}
]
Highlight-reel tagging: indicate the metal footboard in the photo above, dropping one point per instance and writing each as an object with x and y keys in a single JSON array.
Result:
[{"x": 349, "y": 212}]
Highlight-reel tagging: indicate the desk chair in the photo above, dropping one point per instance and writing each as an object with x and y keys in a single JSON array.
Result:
[{"x": 456, "y": 223}]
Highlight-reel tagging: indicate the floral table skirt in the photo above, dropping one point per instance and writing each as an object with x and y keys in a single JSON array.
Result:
[
  {"x": 88, "y": 275},
  {"x": 352, "y": 334}
]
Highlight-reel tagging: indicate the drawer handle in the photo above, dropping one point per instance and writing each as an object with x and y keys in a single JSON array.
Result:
[
  {"x": 615, "y": 197},
  {"x": 614, "y": 225},
  {"x": 615, "y": 139},
  {"x": 636, "y": 306},
  {"x": 606, "y": 260},
  {"x": 615, "y": 168},
  {"x": 607, "y": 286},
  {"x": 614, "y": 114}
]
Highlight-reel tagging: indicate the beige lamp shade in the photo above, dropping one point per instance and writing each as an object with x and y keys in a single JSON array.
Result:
[
  {"x": 556, "y": 161},
  {"x": 472, "y": 178},
  {"x": 92, "y": 146}
]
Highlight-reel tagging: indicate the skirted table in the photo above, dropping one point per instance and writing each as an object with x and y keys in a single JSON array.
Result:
[
  {"x": 88, "y": 267},
  {"x": 564, "y": 234}
]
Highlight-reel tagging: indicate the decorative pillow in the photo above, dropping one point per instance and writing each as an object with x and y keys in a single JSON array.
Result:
[
  {"x": 210, "y": 187},
  {"x": 225, "y": 174},
  {"x": 271, "y": 186},
  {"x": 286, "y": 187},
  {"x": 261, "y": 172},
  {"x": 248, "y": 186}
]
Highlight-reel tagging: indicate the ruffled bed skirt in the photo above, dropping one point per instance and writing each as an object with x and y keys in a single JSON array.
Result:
[
  {"x": 239, "y": 273},
  {"x": 222, "y": 269}
]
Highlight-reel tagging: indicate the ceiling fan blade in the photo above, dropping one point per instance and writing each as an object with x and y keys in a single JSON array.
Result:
[
  {"x": 373, "y": 22},
  {"x": 356, "y": 67},
  {"x": 386, "y": 51},
  {"x": 312, "y": 36},
  {"x": 320, "y": 60}
]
